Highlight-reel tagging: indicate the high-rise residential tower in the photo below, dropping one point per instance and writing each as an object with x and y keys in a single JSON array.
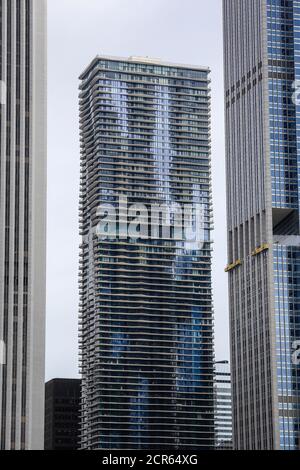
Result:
[
  {"x": 22, "y": 221},
  {"x": 223, "y": 406},
  {"x": 262, "y": 62},
  {"x": 146, "y": 320}
]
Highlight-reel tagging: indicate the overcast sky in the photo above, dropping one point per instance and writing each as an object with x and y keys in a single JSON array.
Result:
[{"x": 185, "y": 31}]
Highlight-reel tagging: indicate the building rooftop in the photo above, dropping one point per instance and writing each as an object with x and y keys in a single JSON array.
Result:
[{"x": 142, "y": 60}]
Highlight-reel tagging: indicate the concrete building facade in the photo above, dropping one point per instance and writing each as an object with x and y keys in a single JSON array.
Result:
[{"x": 22, "y": 222}]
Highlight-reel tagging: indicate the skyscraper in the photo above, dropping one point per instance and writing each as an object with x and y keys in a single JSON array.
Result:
[
  {"x": 62, "y": 414},
  {"x": 263, "y": 169},
  {"x": 22, "y": 222},
  {"x": 223, "y": 406},
  {"x": 146, "y": 318}
]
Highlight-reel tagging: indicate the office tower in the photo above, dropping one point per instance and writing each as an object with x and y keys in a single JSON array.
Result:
[
  {"x": 262, "y": 117},
  {"x": 146, "y": 303},
  {"x": 22, "y": 222},
  {"x": 223, "y": 406},
  {"x": 62, "y": 414}
]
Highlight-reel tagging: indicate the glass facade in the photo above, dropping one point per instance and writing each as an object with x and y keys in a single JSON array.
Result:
[
  {"x": 284, "y": 68},
  {"x": 287, "y": 308},
  {"x": 146, "y": 318},
  {"x": 262, "y": 72}
]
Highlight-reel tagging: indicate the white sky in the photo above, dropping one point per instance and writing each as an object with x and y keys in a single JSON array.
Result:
[{"x": 184, "y": 31}]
